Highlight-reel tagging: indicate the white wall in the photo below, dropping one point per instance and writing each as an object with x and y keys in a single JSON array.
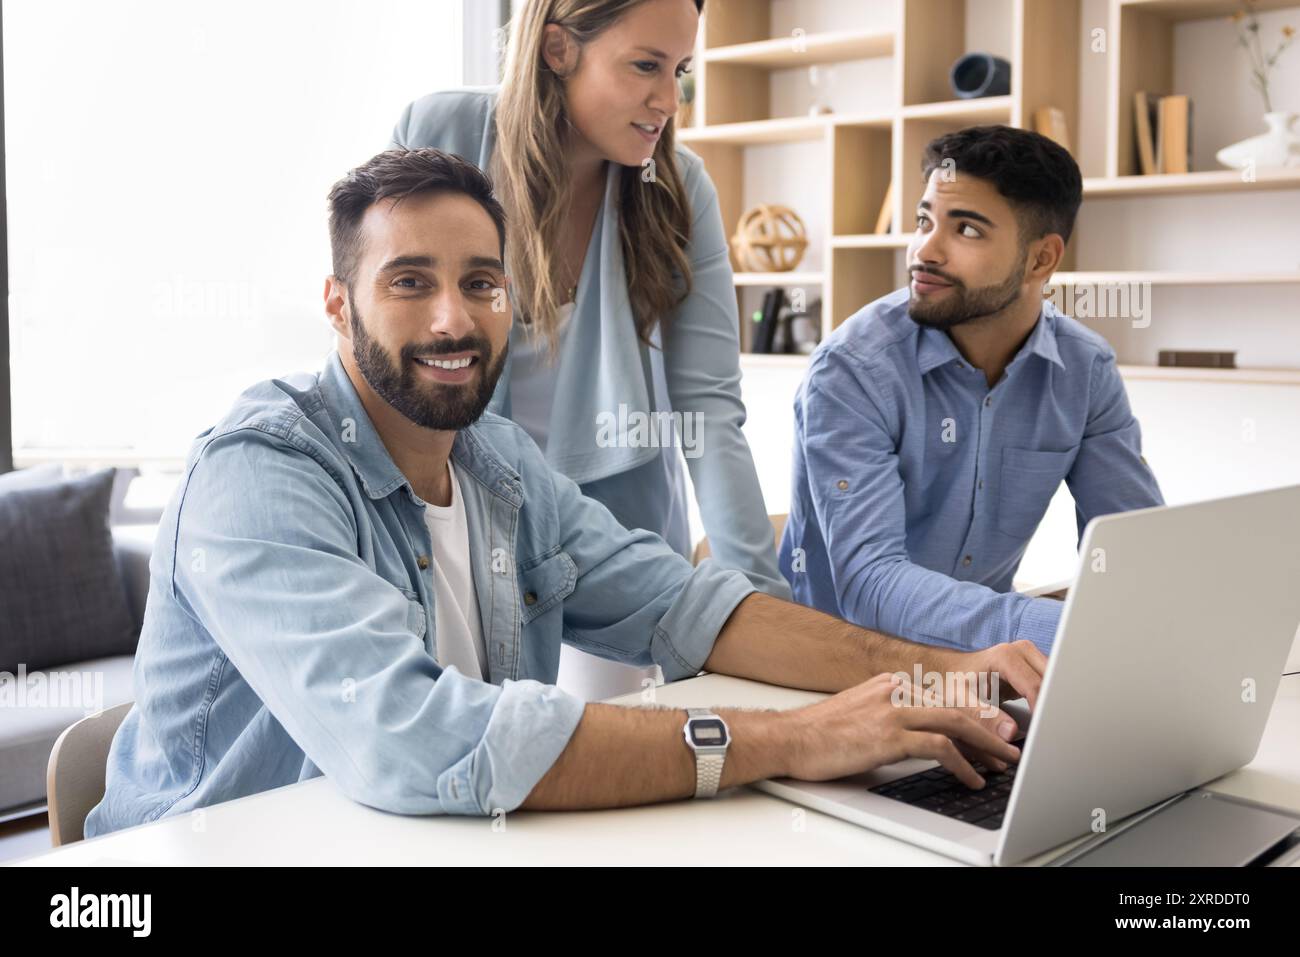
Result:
[{"x": 168, "y": 165}]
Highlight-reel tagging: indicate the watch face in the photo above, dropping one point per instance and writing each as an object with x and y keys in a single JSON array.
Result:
[{"x": 708, "y": 732}]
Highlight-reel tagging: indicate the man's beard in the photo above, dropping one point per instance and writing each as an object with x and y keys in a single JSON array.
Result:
[
  {"x": 965, "y": 305},
  {"x": 433, "y": 406}
]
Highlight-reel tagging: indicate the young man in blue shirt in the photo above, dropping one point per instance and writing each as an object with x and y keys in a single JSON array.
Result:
[
  {"x": 934, "y": 426},
  {"x": 364, "y": 575}
]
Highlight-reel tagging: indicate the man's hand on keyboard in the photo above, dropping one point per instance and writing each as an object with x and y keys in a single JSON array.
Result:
[
  {"x": 887, "y": 719},
  {"x": 1018, "y": 665}
]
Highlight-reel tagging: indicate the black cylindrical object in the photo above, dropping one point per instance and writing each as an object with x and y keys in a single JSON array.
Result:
[{"x": 980, "y": 74}]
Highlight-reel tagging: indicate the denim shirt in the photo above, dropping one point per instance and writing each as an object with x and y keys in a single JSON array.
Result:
[
  {"x": 917, "y": 487},
  {"x": 289, "y": 625},
  {"x": 605, "y": 370}
]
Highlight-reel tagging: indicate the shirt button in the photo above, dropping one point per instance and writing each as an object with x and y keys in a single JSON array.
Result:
[
  {"x": 841, "y": 485},
  {"x": 981, "y": 485},
  {"x": 423, "y": 562},
  {"x": 530, "y": 598},
  {"x": 966, "y": 560},
  {"x": 988, "y": 401}
]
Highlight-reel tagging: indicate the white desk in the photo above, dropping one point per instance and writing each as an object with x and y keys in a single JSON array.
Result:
[{"x": 312, "y": 823}]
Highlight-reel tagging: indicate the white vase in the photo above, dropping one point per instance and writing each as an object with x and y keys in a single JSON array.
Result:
[{"x": 1278, "y": 148}]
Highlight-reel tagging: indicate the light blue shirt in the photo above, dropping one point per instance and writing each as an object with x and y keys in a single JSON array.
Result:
[
  {"x": 289, "y": 626},
  {"x": 916, "y": 487},
  {"x": 606, "y": 374}
]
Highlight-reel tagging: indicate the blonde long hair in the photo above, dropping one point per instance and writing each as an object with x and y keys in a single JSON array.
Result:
[{"x": 534, "y": 185}]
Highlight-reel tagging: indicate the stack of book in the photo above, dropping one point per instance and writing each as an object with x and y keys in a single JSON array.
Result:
[{"x": 1164, "y": 133}]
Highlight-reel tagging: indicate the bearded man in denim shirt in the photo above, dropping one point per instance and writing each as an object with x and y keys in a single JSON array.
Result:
[{"x": 362, "y": 575}]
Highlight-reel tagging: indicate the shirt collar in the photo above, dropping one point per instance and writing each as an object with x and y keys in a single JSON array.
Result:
[
  {"x": 359, "y": 440},
  {"x": 934, "y": 348},
  {"x": 1042, "y": 341}
]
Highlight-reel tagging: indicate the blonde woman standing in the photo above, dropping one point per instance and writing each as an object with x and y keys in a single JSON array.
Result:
[{"x": 620, "y": 277}]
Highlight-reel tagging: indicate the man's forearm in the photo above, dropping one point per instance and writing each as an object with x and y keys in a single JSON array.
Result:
[
  {"x": 787, "y": 644},
  {"x": 618, "y": 757}
]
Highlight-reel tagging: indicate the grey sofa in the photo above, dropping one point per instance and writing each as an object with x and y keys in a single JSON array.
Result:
[{"x": 27, "y": 734}]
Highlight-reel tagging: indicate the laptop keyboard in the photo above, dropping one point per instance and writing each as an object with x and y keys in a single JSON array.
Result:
[{"x": 940, "y": 791}]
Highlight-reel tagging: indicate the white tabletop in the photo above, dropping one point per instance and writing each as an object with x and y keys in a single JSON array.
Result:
[{"x": 313, "y": 823}]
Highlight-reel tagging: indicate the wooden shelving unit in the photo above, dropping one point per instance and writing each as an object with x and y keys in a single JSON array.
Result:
[
  {"x": 785, "y": 130},
  {"x": 1199, "y": 9},
  {"x": 864, "y": 153},
  {"x": 870, "y": 241},
  {"x": 989, "y": 109},
  {"x": 1224, "y": 376},
  {"x": 789, "y": 130},
  {"x": 1173, "y": 184},
  {"x": 785, "y": 52},
  {"x": 779, "y": 278},
  {"x": 1175, "y": 278}
]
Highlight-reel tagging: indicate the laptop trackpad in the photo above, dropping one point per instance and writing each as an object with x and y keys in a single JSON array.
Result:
[{"x": 1201, "y": 829}]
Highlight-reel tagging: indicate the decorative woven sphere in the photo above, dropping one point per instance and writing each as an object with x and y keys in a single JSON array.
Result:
[{"x": 769, "y": 239}]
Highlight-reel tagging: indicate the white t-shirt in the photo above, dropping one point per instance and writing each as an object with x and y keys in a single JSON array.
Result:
[
  {"x": 459, "y": 630},
  {"x": 532, "y": 380}
]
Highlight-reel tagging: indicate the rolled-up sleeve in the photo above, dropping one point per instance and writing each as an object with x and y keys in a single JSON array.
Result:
[
  {"x": 266, "y": 560},
  {"x": 702, "y": 369},
  {"x": 635, "y": 599}
]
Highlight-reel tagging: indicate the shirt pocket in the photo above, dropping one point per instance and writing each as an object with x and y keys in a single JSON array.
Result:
[
  {"x": 544, "y": 583},
  {"x": 1030, "y": 477},
  {"x": 416, "y": 619}
]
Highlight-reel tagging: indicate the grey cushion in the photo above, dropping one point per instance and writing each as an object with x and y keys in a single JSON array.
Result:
[
  {"x": 61, "y": 595},
  {"x": 134, "y": 547},
  {"x": 27, "y": 734}
]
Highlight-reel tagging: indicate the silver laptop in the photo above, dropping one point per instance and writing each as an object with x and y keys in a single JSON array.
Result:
[{"x": 1166, "y": 662}]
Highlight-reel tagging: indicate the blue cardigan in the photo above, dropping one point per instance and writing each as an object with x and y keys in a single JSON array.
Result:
[{"x": 606, "y": 371}]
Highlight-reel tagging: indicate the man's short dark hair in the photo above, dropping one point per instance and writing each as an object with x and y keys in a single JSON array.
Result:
[
  {"x": 1037, "y": 176},
  {"x": 397, "y": 174}
]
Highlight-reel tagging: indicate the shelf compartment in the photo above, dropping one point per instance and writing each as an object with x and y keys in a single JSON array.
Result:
[
  {"x": 933, "y": 36},
  {"x": 861, "y": 169},
  {"x": 858, "y": 276}
]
